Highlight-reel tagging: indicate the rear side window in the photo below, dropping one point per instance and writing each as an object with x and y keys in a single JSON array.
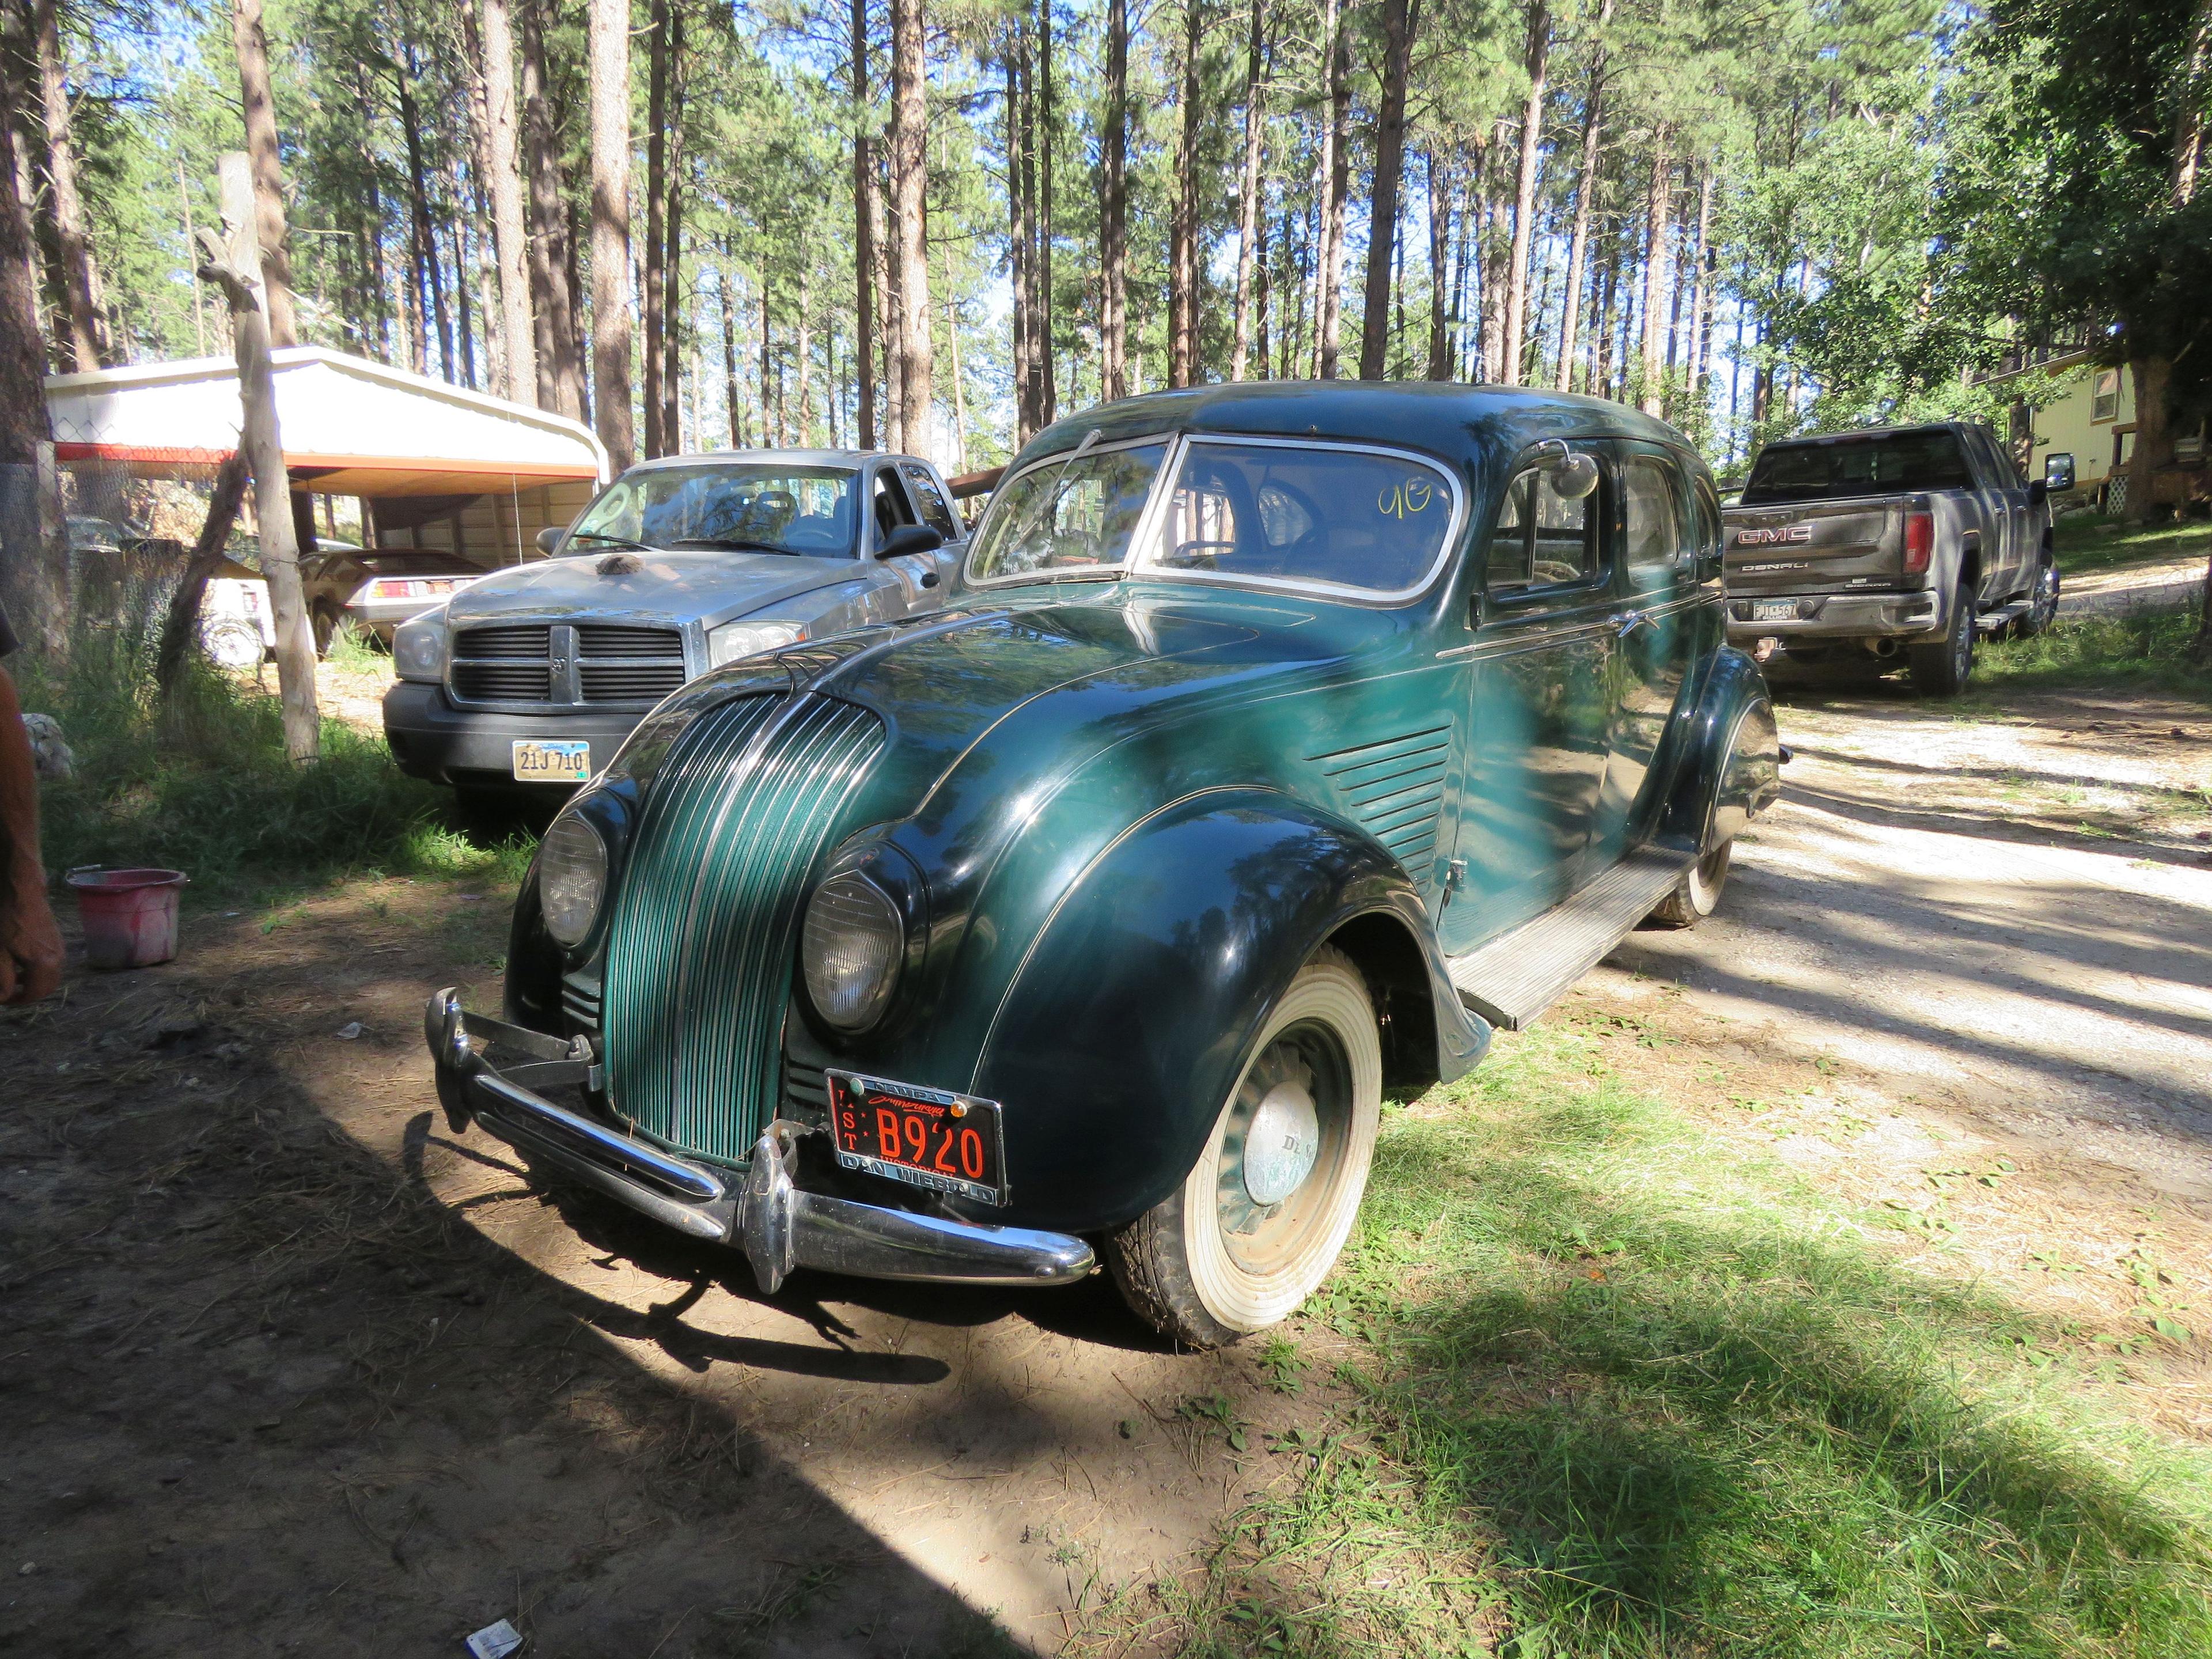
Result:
[
  {"x": 1661, "y": 535},
  {"x": 1542, "y": 539},
  {"x": 1834, "y": 469},
  {"x": 921, "y": 485},
  {"x": 1341, "y": 518}
]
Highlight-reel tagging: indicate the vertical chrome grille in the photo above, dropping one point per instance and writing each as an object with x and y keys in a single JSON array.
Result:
[
  {"x": 699, "y": 957},
  {"x": 564, "y": 666}
]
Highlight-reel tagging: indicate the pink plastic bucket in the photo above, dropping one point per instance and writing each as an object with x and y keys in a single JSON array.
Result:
[{"x": 130, "y": 916}]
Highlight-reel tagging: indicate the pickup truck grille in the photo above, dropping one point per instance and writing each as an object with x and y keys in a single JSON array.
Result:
[
  {"x": 561, "y": 665},
  {"x": 700, "y": 951}
]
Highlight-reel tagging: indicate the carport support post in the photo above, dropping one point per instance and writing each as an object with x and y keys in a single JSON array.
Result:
[{"x": 235, "y": 268}]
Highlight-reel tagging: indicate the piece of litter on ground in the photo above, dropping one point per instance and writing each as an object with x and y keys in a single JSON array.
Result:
[
  {"x": 468, "y": 898},
  {"x": 351, "y": 1029},
  {"x": 230, "y": 913},
  {"x": 495, "y": 1641}
]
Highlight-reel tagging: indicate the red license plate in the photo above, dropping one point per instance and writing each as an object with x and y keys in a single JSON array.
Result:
[{"x": 927, "y": 1137}]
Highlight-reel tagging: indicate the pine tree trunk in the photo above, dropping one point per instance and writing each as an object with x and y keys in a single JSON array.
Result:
[
  {"x": 1493, "y": 261},
  {"x": 87, "y": 328},
  {"x": 1524, "y": 197},
  {"x": 561, "y": 370},
  {"x": 671, "y": 258},
  {"x": 610, "y": 333},
  {"x": 430, "y": 284},
  {"x": 1701, "y": 295},
  {"x": 656, "y": 210},
  {"x": 864, "y": 238},
  {"x": 1041, "y": 148},
  {"x": 1182, "y": 262},
  {"x": 33, "y": 554},
  {"x": 458, "y": 226},
  {"x": 1113, "y": 206},
  {"x": 910, "y": 189},
  {"x": 488, "y": 307},
  {"x": 260, "y": 111},
  {"x": 1334, "y": 149},
  {"x": 1585, "y": 192},
  {"x": 1653, "y": 398},
  {"x": 505, "y": 183},
  {"x": 731, "y": 394},
  {"x": 1439, "y": 273},
  {"x": 1383, "y": 218},
  {"x": 1018, "y": 233},
  {"x": 1247, "y": 196}
]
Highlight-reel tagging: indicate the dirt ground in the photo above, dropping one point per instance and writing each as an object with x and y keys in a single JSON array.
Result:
[{"x": 292, "y": 1369}]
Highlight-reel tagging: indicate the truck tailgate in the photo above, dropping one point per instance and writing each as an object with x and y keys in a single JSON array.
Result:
[{"x": 1814, "y": 546}]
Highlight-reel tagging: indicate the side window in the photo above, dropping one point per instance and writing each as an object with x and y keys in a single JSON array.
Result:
[
  {"x": 1656, "y": 520},
  {"x": 890, "y": 507},
  {"x": 936, "y": 511},
  {"x": 1543, "y": 539},
  {"x": 1709, "y": 519}
]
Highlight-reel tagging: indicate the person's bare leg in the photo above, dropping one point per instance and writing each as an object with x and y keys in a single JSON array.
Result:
[{"x": 30, "y": 943}]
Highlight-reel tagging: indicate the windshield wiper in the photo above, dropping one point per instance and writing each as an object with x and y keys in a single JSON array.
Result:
[
  {"x": 612, "y": 541},
  {"x": 727, "y": 544}
]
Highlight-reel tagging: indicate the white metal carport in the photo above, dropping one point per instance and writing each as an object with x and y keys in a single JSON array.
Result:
[{"x": 439, "y": 465}]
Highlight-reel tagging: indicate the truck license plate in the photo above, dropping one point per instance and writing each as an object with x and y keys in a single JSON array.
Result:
[
  {"x": 552, "y": 762},
  {"x": 1774, "y": 610},
  {"x": 926, "y": 1137}
]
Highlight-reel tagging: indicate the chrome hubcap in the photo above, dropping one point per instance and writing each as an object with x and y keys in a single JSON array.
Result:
[
  {"x": 1282, "y": 1145},
  {"x": 1285, "y": 1133}
]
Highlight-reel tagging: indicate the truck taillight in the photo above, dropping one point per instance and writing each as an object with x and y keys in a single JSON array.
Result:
[{"x": 1920, "y": 541}]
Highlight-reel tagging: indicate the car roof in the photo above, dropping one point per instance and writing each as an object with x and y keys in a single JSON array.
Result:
[
  {"x": 785, "y": 457},
  {"x": 1440, "y": 417}
]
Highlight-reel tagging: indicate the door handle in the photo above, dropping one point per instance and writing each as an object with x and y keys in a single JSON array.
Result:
[{"x": 1627, "y": 621}]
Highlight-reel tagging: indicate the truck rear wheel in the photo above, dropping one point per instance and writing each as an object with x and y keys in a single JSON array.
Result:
[
  {"x": 1941, "y": 670},
  {"x": 2042, "y": 599},
  {"x": 1261, "y": 1218}
]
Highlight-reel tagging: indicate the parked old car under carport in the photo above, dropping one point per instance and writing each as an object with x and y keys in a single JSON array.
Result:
[{"x": 1287, "y": 739}]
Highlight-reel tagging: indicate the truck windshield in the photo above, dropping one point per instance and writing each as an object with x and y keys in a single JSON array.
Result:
[
  {"x": 1879, "y": 464},
  {"x": 802, "y": 510}
]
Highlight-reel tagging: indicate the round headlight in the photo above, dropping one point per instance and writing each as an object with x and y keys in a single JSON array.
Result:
[
  {"x": 854, "y": 942},
  {"x": 571, "y": 878}
]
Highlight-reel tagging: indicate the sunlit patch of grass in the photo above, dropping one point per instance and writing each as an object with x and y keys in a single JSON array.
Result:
[
  {"x": 2138, "y": 648},
  {"x": 2089, "y": 541},
  {"x": 1651, "y": 1398}
]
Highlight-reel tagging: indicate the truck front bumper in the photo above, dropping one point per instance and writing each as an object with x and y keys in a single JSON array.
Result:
[
  {"x": 489, "y": 1073},
  {"x": 431, "y": 738},
  {"x": 1826, "y": 618}
]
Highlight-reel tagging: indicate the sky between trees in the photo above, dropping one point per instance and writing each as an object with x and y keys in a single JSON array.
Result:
[{"x": 938, "y": 226}]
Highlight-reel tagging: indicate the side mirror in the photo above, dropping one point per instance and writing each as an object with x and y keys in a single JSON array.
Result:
[
  {"x": 1572, "y": 473},
  {"x": 2057, "y": 473},
  {"x": 549, "y": 537},
  {"x": 909, "y": 539}
]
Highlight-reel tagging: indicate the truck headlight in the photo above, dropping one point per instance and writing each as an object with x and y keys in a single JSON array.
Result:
[
  {"x": 854, "y": 942},
  {"x": 571, "y": 878},
  {"x": 744, "y": 638},
  {"x": 418, "y": 647}
]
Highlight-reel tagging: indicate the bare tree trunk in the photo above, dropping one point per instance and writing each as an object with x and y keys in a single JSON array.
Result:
[
  {"x": 561, "y": 372},
  {"x": 1439, "y": 273},
  {"x": 1492, "y": 259},
  {"x": 1113, "y": 229},
  {"x": 1336, "y": 181},
  {"x": 432, "y": 304},
  {"x": 909, "y": 189},
  {"x": 864, "y": 236},
  {"x": 731, "y": 394},
  {"x": 181, "y": 625},
  {"x": 1653, "y": 400},
  {"x": 1041, "y": 351},
  {"x": 1383, "y": 218},
  {"x": 1524, "y": 197},
  {"x": 1585, "y": 190},
  {"x": 32, "y": 553},
  {"x": 1701, "y": 295},
  {"x": 488, "y": 271},
  {"x": 656, "y": 209},
  {"x": 672, "y": 256},
  {"x": 1248, "y": 193},
  {"x": 504, "y": 182},
  {"x": 611, "y": 335},
  {"x": 233, "y": 269},
  {"x": 80, "y": 298},
  {"x": 2154, "y": 447},
  {"x": 1183, "y": 262},
  {"x": 1020, "y": 233},
  {"x": 887, "y": 317},
  {"x": 260, "y": 112}
]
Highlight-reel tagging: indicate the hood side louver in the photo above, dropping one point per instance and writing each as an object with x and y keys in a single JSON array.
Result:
[{"x": 1396, "y": 788}]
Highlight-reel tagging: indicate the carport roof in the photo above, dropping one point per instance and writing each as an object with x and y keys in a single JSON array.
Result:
[{"x": 350, "y": 427}]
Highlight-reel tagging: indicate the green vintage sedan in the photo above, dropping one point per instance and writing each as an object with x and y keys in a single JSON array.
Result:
[{"x": 1285, "y": 741}]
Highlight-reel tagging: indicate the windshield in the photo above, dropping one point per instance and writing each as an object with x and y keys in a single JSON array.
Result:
[
  {"x": 1349, "y": 519},
  {"x": 803, "y": 510},
  {"x": 1077, "y": 514},
  {"x": 1879, "y": 464}
]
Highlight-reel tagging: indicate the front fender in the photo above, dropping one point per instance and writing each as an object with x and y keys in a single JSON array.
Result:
[
  {"x": 1734, "y": 756},
  {"x": 1127, "y": 1024}
]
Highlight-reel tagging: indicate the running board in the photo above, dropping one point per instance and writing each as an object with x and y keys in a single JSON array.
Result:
[
  {"x": 1999, "y": 616},
  {"x": 1512, "y": 980}
]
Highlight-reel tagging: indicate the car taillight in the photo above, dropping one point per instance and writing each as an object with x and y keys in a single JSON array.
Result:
[
  {"x": 390, "y": 587},
  {"x": 1920, "y": 541}
]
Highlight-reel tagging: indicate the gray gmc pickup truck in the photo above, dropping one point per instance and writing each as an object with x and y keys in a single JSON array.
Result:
[{"x": 1894, "y": 544}]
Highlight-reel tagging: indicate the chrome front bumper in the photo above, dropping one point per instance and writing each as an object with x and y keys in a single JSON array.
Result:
[{"x": 778, "y": 1224}]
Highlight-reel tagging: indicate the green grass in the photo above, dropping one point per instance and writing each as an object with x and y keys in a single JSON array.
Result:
[
  {"x": 2141, "y": 649},
  {"x": 351, "y": 647},
  {"x": 203, "y": 785},
  {"x": 2087, "y": 542},
  {"x": 1621, "y": 1392}
]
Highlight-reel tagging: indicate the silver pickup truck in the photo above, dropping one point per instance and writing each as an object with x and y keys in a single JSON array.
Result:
[
  {"x": 1896, "y": 544},
  {"x": 532, "y": 676}
]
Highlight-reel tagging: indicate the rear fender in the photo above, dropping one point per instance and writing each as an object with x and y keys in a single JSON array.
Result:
[
  {"x": 1733, "y": 768},
  {"x": 1126, "y": 1026}
]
